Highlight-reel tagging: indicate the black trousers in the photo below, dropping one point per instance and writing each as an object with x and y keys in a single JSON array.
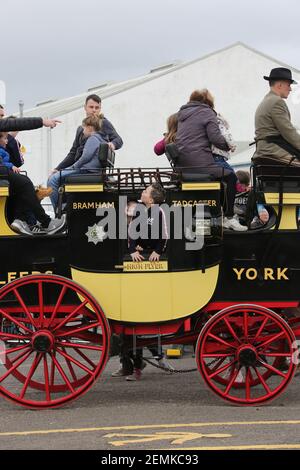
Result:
[
  {"x": 230, "y": 181},
  {"x": 24, "y": 199},
  {"x": 134, "y": 359}
]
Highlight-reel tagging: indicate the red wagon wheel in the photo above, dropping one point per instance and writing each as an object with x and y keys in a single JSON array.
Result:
[
  {"x": 55, "y": 339},
  {"x": 246, "y": 344}
]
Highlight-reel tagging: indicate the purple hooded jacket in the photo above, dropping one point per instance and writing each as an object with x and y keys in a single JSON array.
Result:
[{"x": 197, "y": 130}]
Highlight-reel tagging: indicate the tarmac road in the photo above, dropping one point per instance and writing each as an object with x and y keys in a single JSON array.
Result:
[{"x": 161, "y": 411}]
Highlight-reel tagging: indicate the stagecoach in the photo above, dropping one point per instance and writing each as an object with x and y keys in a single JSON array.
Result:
[{"x": 235, "y": 298}]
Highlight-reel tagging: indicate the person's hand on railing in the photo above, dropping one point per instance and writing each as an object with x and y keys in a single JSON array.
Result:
[
  {"x": 136, "y": 256},
  {"x": 154, "y": 256}
]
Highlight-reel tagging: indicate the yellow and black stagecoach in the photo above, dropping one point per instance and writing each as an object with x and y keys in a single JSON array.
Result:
[{"x": 235, "y": 297}]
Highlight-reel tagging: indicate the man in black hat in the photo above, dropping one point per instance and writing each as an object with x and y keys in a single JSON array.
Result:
[{"x": 275, "y": 135}]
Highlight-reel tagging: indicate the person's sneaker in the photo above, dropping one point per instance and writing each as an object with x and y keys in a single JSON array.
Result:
[
  {"x": 43, "y": 192},
  {"x": 234, "y": 224},
  {"x": 55, "y": 225},
  {"x": 256, "y": 223},
  {"x": 137, "y": 373},
  {"x": 164, "y": 363},
  {"x": 38, "y": 229},
  {"x": 21, "y": 227},
  {"x": 121, "y": 373}
]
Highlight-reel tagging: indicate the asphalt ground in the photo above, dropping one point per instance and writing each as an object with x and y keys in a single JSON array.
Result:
[{"x": 161, "y": 411}]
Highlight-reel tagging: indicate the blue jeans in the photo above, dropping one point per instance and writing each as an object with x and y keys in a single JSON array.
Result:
[
  {"x": 58, "y": 179},
  {"x": 222, "y": 162}
]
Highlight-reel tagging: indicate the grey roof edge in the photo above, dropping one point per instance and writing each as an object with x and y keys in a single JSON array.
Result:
[
  {"x": 114, "y": 89},
  {"x": 267, "y": 56}
]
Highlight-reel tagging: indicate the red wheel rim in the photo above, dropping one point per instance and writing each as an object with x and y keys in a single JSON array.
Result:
[
  {"x": 57, "y": 341},
  {"x": 246, "y": 344}
]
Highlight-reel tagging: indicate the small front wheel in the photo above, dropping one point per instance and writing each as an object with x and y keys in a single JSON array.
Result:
[{"x": 240, "y": 353}]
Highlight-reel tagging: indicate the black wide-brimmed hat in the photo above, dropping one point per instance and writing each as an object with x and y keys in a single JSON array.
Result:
[{"x": 281, "y": 73}]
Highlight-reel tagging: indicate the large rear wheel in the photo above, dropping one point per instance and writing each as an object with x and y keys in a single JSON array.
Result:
[{"x": 55, "y": 341}]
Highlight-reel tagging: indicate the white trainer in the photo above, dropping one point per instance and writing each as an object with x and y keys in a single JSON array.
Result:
[{"x": 234, "y": 224}]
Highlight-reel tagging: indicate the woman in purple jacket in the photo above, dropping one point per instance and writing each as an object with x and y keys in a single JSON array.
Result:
[{"x": 197, "y": 131}]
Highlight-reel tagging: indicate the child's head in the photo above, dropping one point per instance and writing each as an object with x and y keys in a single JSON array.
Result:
[
  {"x": 172, "y": 124},
  {"x": 153, "y": 194},
  {"x": 91, "y": 124},
  {"x": 243, "y": 177},
  {"x": 3, "y": 139}
]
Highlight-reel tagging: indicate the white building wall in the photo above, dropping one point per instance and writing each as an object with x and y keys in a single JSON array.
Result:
[{"x": 234, "y": 76}]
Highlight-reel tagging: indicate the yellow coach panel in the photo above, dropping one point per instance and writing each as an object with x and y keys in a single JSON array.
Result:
[{"x": 150, "y": 297}]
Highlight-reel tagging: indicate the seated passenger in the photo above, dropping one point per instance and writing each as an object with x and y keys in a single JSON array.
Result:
[
  {"x": 273, "y": 120},
  {"x": 88, "y": 162},
  {"x": 92, "y": 107},
  {"x": 222, "y": 156},
  {"x": 169, "y": 136},
  {"x": 151, "y": 197},
  {"x": 198, "y": 130},
  {"x": 25, "y": 198},
  {"x": 241, "y": 199}
]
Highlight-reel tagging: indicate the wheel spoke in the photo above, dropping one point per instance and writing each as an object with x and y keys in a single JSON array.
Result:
[
  {"x": 230, "y": 328},
  {"x": 261, "y": 328},
  {"x": 269, "y": 354},
  {"x": 87, "y": 359},
  {"x": 32, "y": 370},
  {"x": 68, "y": 344},
  {"x": 13, "y": 320},
  {"x": 245, "y": 324},
  {"x": 52, "y": 372},
  {"x": 74, "y": 331},
  {"x": 15, "y": 366},
  {"x": 222, "y": 369},
  {"x": 15, "y": 359},
  {"x": 12, "y": 350},
  {"x": 41, "y": 302},
  {"x": 217, "y": 365},
  {"x": 215, "y": 355},
  {"x": 273, "y": 369},
  {"x": 70, "y": 367},
  {"x": 262, "y": 380},
  {"x": 46, "y": 374},
  {"x": 232, "y": 380},
  {"x": 270, "y": 340},
  {"x": 58, "y": 303},
  {"x": 13, "y": 336},
  {"x": 220, "y": 340},
  {"x": 61, "y": 371},
  {"x": 72, "y": 359},
  {"x": 24, "y": 307},
  {"x": 71, "y": 315}
]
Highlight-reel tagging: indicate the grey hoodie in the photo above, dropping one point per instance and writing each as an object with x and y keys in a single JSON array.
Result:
[
  {"x": 198, "y": 129},
  {"x": 89, "y": 160}
]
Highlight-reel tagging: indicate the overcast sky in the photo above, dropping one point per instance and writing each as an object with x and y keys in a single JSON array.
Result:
[{"x": 59, "y": 48}]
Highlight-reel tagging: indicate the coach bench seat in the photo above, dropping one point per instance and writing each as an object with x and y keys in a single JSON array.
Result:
[{"x": 272, "y": 178}]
